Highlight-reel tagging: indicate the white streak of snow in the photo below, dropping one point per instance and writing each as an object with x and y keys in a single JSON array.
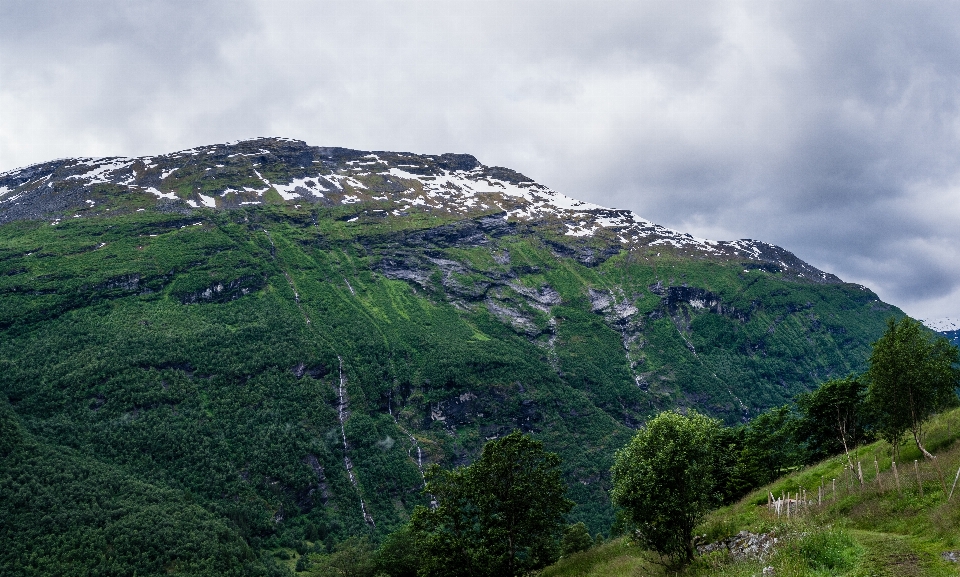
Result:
[
  {"x": 154, "y": 191},
  {"x": 943, "y": 324},
  {"x": 309, "y": 184}
]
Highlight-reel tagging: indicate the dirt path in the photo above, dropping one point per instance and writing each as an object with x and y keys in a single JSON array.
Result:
[{"x": 886, "y": 554}]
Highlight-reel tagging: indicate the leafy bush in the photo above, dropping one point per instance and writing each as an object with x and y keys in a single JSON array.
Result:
[
  {"x": 502, "y": 515},
  {"x": 354, "y": 557},
  {"x": 664, "y": 480},
  {"x": 576, "y": 538}
]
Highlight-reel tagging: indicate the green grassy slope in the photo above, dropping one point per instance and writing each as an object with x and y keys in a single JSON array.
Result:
[
  {"x": 874, "y": 530},
  {"x": 199, "y": 355}
]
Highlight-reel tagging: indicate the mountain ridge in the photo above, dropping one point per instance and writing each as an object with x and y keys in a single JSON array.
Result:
[{"x": 456, "y": 183}]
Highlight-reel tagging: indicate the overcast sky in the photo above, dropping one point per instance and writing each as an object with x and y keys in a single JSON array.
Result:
[{"x": 829, "y": 128}]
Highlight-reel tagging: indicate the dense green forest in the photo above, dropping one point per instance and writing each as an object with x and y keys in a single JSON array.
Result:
[
  {"x": 503, "y": 514},
  {"x": 212, "y": 385}
]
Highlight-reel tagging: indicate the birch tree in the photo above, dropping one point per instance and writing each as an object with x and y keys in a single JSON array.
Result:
[
  {"x": 913, "y": 375},
  {"x": 833, "y": 418}
]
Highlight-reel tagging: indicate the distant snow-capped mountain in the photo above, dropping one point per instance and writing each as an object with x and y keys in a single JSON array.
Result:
[
  {"x": 279, "y": 170},
  {"x": 943, "y": 325}
]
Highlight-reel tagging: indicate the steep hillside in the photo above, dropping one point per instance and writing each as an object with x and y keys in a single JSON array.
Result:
[
  {"x": 287, "y": 334},
  {"x": 897, "y": 524}
]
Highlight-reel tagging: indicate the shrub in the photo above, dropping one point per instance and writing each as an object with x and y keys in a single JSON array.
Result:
[{"x": 575, "y": 538}]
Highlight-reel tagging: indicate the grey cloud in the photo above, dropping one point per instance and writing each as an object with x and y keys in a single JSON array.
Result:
[{"x": 828, "y": 128}]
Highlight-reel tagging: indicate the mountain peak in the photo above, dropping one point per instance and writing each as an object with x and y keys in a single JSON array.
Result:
[{"x": 275, "y": 170}]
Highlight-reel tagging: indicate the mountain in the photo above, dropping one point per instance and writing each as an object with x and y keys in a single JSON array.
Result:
[
  {"x": 953, "y": 335},
  {"x": 948, "y": 327},
  {"x": 281, "y": 338}
]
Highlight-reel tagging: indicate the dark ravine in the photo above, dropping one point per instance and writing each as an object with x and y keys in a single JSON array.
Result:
[{"x": 180, "y": 320}]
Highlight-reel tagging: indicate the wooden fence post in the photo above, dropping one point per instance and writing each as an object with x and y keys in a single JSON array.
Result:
[
  {"x": 896, "y": 476},
  {"x": 916, "y": 468},
  {"x": 943, "y": 481},
  {"x": 860, "y": 474},
  {"x": 954, "y": 484}
]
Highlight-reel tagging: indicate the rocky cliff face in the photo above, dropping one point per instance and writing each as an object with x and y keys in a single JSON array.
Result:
[{"x": 291, "y": 334}]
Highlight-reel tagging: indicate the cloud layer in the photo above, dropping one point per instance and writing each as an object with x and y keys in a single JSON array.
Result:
[{"x": 829, "y": 128}]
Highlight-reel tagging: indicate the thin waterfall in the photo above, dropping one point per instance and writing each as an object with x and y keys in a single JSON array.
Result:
[{"x": 342, "y": 417}]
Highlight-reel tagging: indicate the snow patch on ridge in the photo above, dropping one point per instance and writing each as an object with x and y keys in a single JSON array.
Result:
[
  {"x": 102, "y": 167},
  {"x": 310, "y": 184},
  {"x": 406, "y": 181},
  {"x": 154, "y": 191},
  {"x": 942, "y": 325},
  {"x": 534, "y": 201}
]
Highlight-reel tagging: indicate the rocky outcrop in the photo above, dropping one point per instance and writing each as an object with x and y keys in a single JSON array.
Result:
[
  {"x": 526, "y": 309},
  {"x": 743, "y": 545},
  {"x": 316, "y": 494},
  {"x": 495, "y": 410},
  {"x": 586, "y": 254},
  {"x": 223, "y": 292},
  {"x": 301, "y": 370}
]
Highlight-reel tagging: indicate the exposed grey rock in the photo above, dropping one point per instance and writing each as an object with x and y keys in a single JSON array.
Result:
[
  {"x": 545, "y": 295},
  {"x": 743, "y": 545},
  {"x": 519, "y": 321},
  {"x": 316, "y": 493},
  {"x": 220, "y": 292}
]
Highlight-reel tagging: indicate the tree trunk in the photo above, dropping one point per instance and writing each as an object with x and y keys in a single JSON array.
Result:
[
  {"x": 926, "y": 454},
  {"x": 843, "y": 438}
]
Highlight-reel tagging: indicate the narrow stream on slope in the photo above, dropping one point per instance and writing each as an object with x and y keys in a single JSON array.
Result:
[
  {"x": 341, "y": 393},
  {"x": 342, "y": 417},
  {"x": 412, "y": 440}
]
